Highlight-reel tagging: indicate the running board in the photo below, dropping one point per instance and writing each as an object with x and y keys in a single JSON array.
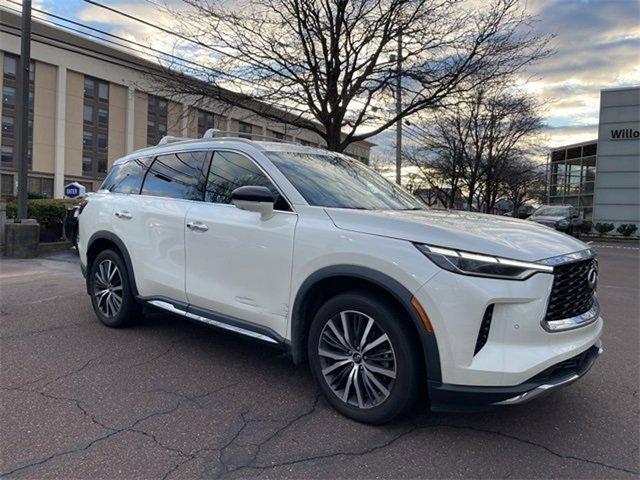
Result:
[{"x": 225, "y": 326}]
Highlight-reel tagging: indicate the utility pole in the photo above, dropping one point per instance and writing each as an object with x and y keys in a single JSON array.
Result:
[
  {"x": 22, "y": 132},
  {"x": 398, "y": 110}
]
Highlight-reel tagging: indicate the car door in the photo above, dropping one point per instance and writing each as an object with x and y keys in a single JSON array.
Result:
[
  {"x": 237, "y": 264},
  {"x": 172, "y": 184}
]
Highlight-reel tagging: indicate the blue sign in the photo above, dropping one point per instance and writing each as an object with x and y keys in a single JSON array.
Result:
[{"x": 71, "y": 191}]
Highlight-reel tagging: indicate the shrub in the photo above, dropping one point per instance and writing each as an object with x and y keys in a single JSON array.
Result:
[
  {"x": 604, "y": 228},
  {"x": 45, "y": 211},
  {"x": 627, "y": 229},
  {"x": 586, "y": 226}
]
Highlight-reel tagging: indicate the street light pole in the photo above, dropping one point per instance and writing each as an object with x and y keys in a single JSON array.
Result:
[
  {"x": 398, "y": 110},
  {"x": 22, "y": 131}
]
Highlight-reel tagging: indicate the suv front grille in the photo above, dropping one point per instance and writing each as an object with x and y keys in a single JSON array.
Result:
[{"x": 571, "y": 294}]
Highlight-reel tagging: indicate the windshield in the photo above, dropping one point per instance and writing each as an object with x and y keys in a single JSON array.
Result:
[
  {"x": 552, "y": 212},
  {"x": 334, "y": 180}
]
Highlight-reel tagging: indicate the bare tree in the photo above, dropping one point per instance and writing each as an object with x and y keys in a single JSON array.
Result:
[
  {"x": 526, "y": 181},
  {"x": 437, "y": 159},
  {"x": 476, "y": 146},
  {"x": 331, "y": 65}
]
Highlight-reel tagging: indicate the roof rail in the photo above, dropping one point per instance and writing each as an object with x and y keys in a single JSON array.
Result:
[
  {"x": 215, "y": 132},
  {"x": 211, "y": 132},
  {"x": 170, "y": 139}
]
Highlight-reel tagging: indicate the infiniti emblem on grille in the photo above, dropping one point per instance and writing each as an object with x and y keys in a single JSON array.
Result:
[{"x": 592, "y": 278}]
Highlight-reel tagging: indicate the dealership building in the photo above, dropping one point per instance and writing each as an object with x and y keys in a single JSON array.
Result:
[
  {"x": 602, "y": 177},
  {"x": 90, "y": 103}
]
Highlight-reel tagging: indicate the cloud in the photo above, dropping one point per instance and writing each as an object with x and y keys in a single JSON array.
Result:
[
  {"x": 566, "y": 135},
  {"x": 597, "y": 44}
]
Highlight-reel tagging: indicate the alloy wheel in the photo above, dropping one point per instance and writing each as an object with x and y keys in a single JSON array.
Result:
[
  {"x": 108, "y": 288},
  {"x": 357, "y": 359}
]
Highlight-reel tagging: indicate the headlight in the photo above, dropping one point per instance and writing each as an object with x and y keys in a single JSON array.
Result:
[
  {"x": 467, "y": 263},
  {"x": 563, "y": 223}
]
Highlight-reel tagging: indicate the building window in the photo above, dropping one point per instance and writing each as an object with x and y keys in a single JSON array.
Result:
[
  {"x": 7, "y": 125},
  {"x": 6, "y": 185},
  {"x": 8, "y": 96},
  {"x": 10, "y": 66},
  {"x": 205, "y": 122},
  {"x": 7, "y": 156},
  {"x": 275, "y": 134},
  {"x": 590, "y": 150},
  {"x": 41, "y": 187},
  {"x": 156, "y": 119},
  {"x": 9, "y": 105},
  {"x": 572, "y": 177},
  {"x": 96, "y": 128},
  {"x": 244, "y": 130}
]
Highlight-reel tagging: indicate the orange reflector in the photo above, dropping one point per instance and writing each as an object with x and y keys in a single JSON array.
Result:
[{"x": 422, "y": 314}]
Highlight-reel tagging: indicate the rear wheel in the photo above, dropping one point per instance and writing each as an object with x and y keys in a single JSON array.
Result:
[
  {"x": 110, "y": 289},
  {"x": 363, "y": 358}
]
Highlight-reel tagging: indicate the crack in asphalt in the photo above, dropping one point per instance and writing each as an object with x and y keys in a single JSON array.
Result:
[
  {"x": 53, "y": 380},
  {"x": 225, "y": 469},
  {"x": 165, "y": 352},
  {"x": 245, "y": 422},
  {"x": 39, "y": 332},
  {"x": 539, "y": 445},
  {"x": 415, "y": 428},
  {"x": 113, "y": 432}
]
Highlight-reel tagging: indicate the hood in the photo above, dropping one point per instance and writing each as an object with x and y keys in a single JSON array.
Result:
[{"x": 473, "y": 232}]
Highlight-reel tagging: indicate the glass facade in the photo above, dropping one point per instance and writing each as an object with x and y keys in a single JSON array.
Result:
[
  {"x": 157, "y": 114},
  {"x": 572, "y": 176}
]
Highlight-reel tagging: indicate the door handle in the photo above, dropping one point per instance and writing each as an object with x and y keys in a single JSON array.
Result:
[
  {"x": 124, "y": 215},
  {"x": 197, "y": 226}
]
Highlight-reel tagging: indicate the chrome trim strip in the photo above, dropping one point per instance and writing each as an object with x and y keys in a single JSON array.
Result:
[
  {"x": 578, "y": 321},
  {"x": 167, "y": 306},
  {"x": 569, "y": 257},
  {"x": 536, "y": 392},
  {"x": 232, "y": 328},
  {"x": 547, "y": 387}
]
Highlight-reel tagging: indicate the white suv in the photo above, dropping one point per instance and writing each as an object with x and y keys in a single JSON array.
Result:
[{"x": 314, "y": 252}]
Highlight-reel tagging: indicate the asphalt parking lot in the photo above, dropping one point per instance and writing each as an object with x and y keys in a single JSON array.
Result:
[{"x": 172, "y": 399}]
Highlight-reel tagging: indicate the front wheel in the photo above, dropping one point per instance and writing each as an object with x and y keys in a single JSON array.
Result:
[
  {"x": 110, "y": 289},
  {"x": 363, "y": 357}
]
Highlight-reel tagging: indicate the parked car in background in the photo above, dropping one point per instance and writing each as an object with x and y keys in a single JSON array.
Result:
[
  {"x": 313, "y": 252},
  {"x": 564, "y": 218},
  {"x": 70, "y": 224}
]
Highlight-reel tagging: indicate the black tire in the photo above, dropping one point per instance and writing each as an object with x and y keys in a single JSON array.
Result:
[
  {"x": 128, "y": 308},
  {"x": 403, "y": 390}
]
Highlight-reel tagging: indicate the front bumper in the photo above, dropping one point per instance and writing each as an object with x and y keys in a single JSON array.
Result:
[
  {"x": 516, "y": 346},
  {"x": 445, "y": 397}
]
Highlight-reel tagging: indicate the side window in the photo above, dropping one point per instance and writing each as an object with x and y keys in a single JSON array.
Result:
[
  {"x": 177, "y": 175},
  {"x": 126, "y": 177},
  {"x": 232, "y": 170}
]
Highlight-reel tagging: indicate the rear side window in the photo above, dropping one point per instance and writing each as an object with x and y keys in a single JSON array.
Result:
[
  {"x": 231, "y": 170},
  {"x": 126, "y": 177},
  {"x": 177, "y": 175}
]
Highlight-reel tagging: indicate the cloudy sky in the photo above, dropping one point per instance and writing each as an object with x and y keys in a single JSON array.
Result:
[{"x": 597, "y": 46}]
